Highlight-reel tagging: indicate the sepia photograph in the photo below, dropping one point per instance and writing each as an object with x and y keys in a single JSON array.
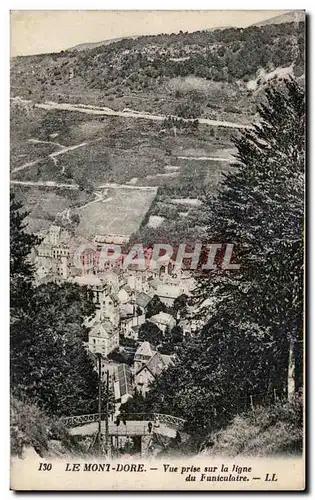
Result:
[{"x": 157, "y": 218}]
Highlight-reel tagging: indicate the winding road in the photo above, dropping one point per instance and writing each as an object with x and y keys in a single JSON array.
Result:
[
  {"x": 129, "y": 113},
  {"x": 206, "y": 158},
  {"x": 98, "y": 110},
  {"x": 45, "y": 184}
]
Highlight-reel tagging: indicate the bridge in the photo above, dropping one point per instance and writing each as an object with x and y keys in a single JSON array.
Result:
[
  {"x": 133, "y": 424},
  {"x": 141, "y": 429}
]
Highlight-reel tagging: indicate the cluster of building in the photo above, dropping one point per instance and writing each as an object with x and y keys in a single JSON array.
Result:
[
  {"x": 148, "y": 363},
  {"x": 121, "y": 298}
]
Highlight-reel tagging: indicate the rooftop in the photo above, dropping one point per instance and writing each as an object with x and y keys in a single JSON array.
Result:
[
  {"x": 143, "y": 299},
  {"x": 145, "y": 349},
  {"x": 88, "y": 279},
  {"x": 163, "y": 318},
  {"x": 169, "y": 291},
  {"x": 102, "y": 329},
  {"x": 124, "y": 379}
]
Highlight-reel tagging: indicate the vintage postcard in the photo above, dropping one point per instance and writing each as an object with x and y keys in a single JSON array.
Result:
[{"x": 157, "y": 250}]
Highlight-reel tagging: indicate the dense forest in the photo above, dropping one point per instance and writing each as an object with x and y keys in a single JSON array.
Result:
[
  {"x": 51, "y": 373},
  {"x": 221, "y": 55},
  {"x": 249, "y": 352},
  {"x": 146, "y": 62}
]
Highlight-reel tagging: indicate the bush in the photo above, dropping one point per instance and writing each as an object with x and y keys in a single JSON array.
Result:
[
  {"x": 31, "y": 427},
  {"x": 166, "y": 210},
  {"x": 53, "y": 122},
  {"x": 271, "y": 430},
  {"x": 151, "y": 333},
  {"x": 188, "y": 110},
  {"x": 232, "y": 109},
  {"x": 121, "y": 357},
  {"x": 28, "y": 427}
]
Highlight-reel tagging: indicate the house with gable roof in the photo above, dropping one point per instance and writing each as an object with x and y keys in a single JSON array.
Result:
[
  {"x": 128, "y": 325},
  {"x": 148, "y": 364},
  {"x": 163, "y": 321},
  {"x": 103, "y": 338},
  {"x": 142, "y": 301}
]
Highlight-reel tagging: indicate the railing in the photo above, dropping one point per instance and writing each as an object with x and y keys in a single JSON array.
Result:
[
  {"x": 170, "y": 420},
  {"x": 81, "y": 419}
]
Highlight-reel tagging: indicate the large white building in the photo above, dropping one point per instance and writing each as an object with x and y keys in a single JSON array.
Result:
[
  {"x": 163, "y": 321},
  {"x": 52, "y": 255},
  {"x": 103, "y": 338}
]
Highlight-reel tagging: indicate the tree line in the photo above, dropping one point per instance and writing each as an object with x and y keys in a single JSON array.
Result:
[
  {"x": 250, "y": 350},
  {"x": 221, "y": 55},
  {"x": 49, "y": 365}
]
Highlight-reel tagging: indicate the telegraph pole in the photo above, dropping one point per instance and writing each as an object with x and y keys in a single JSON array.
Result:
[
  {"x": 99, "y": 403},
  {"x": 106, "y": 412}
]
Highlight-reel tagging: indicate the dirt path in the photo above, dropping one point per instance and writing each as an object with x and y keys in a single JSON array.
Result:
[
  {"x": 98, "y": 197},
  {"x": 206, "y": 158},
  {"x": 45, "y": 184},
  {"x": 26, "y": 165},
  {"x": 69, "y": 148},
  {"x": 38, "y": 141},
  {"x": 99, "y": 110},
  {"x": 128, "y": 186},
  {"x": 51, "y": 155}
]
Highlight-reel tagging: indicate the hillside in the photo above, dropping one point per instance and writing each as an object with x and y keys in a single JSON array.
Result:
[
  {"x": 93, "y": 45},
  {"x": 85, "y": 118},
  {"x": 289, "y": 17},
  {"x": 148, "y": 63},
  {"x": 294, "y": 16},
  {"x": 272, "y": 430}
]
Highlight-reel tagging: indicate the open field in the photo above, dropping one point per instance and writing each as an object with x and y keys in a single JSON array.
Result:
[
  {"x": 92, "y": 152},
  {"x": 120, "y": 212},
  {"x": 79, "y": 123}
]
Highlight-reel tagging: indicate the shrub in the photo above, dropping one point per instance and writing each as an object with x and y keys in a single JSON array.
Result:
[
  {"x": 271, "y": 430},
  {"x": 188, "y": 110},
  {"x": 30, "y": 426}
]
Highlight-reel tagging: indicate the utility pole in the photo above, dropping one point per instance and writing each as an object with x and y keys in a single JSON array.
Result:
[
  {"x": 99, "y": 403},
  {"x": 106, "y": 412}
]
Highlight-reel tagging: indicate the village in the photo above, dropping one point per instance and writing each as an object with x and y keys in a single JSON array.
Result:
[{"x": 131, "y": 305}]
